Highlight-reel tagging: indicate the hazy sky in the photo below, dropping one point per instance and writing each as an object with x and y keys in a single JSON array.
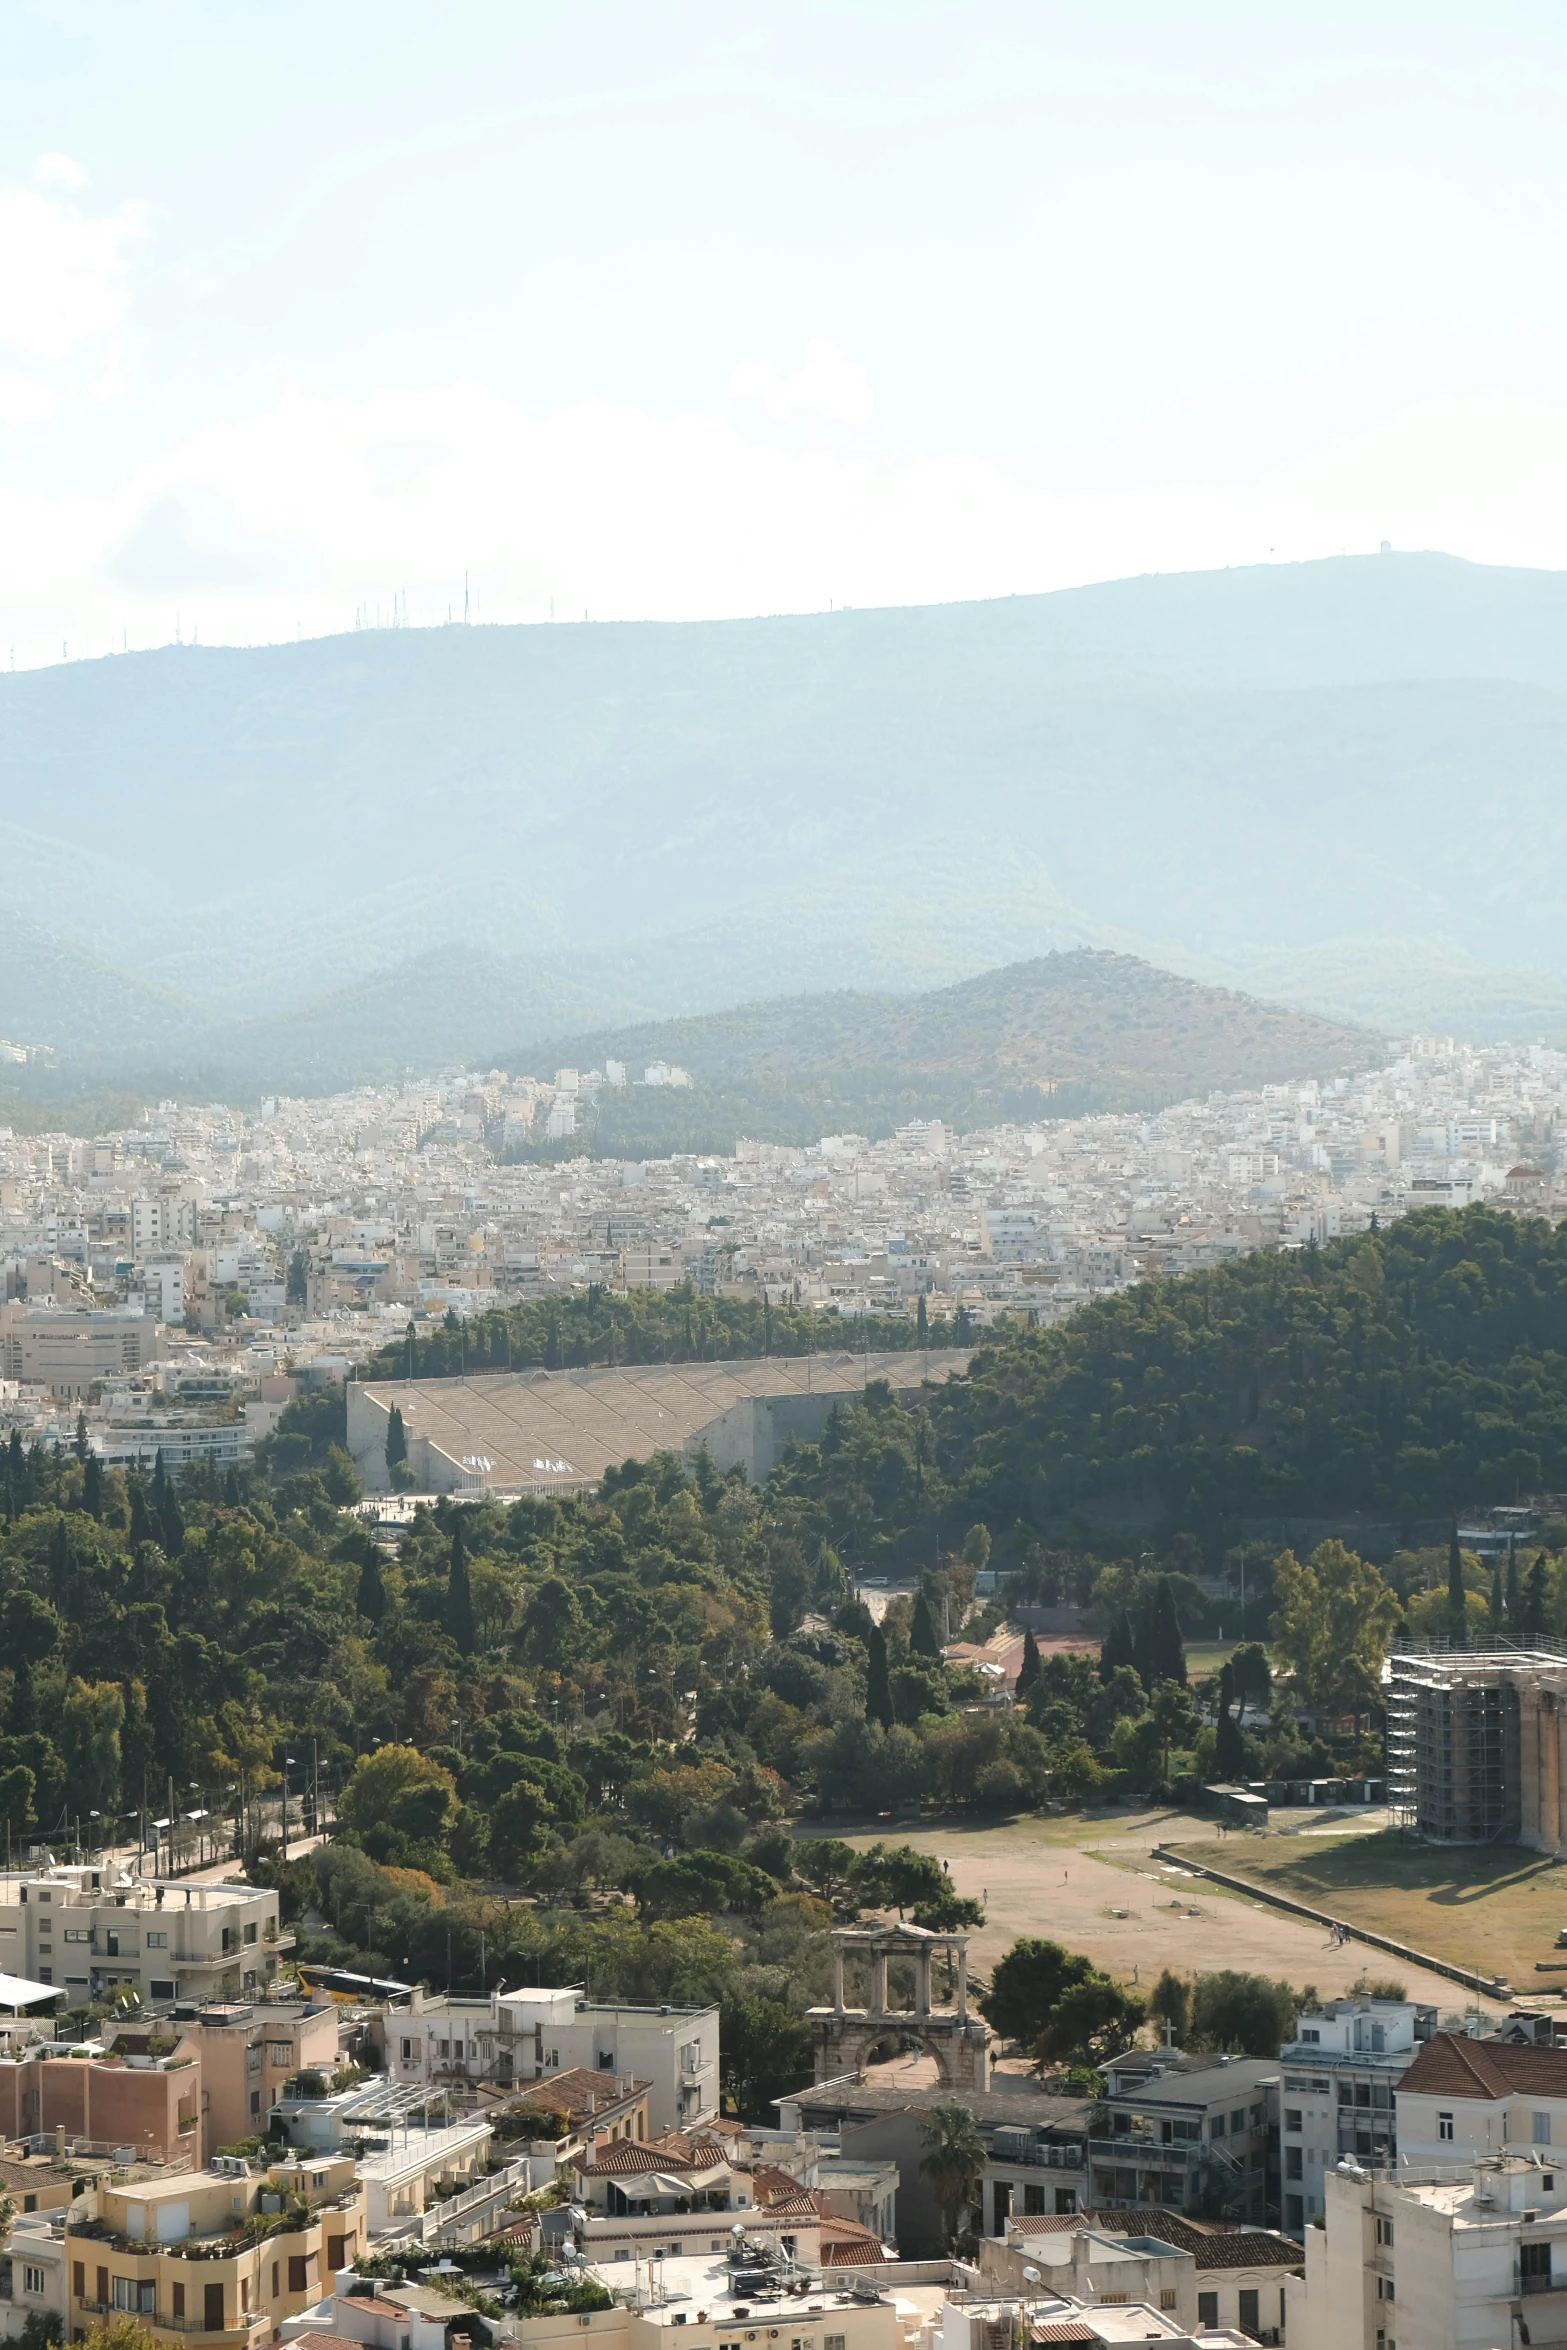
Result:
[{"x": 662, "y": 309}]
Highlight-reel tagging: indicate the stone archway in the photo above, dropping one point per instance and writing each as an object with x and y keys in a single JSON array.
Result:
[{"x": 845, "y": 2038}]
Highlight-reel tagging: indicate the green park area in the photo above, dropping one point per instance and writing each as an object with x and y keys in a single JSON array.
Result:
[{"x": 1497, "y": 1908}]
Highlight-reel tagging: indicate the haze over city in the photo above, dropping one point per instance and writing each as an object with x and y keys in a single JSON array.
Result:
[{"x": 783, "y": 1176}]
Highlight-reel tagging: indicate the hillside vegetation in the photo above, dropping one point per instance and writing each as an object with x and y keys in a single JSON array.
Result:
[
  {"x": 1414, "y": 1371},
  {"x": 1054, "y": 1037}
]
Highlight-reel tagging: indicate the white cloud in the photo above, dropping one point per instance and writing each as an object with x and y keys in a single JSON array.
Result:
[
  {"x": 62, "y": 275},
  {"x": 825, "y": 385},
  {"x": 60, "y": 171}
]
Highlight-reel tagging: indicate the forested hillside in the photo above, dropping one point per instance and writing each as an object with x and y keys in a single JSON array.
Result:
[
  {"x": 1057, "y": 1036},
  {"x": 621, "y": 1704}
]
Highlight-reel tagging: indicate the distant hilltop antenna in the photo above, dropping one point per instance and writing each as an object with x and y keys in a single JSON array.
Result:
[{"x": 465, "y": 599}]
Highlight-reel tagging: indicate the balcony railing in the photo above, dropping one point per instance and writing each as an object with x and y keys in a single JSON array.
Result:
[{"x": 246, "y": 2324}]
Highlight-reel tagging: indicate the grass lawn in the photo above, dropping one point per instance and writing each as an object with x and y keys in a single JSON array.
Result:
[
  {"x": 1496, "y": 1908},
  {"x": 1206, "y": 1656}
]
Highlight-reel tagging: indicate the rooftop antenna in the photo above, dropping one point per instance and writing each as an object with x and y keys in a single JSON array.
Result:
[{"x": 465, "y": 599}]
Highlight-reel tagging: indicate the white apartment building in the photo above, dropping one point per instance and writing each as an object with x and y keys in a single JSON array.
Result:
[
  {"x": 34, "y": 2273},
  {"x": 518, "y": 2036},
  {"x": 86, "y": 1929},
  {"x": 1341, "y": 2075},
  {"x": 1462, "y": 2098},
  {"x": 1432, "y": 2259}
]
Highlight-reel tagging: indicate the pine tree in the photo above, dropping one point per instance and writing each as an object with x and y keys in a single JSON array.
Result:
[
  {"x": 160, "y": 1484},
  {"x": 459, "y": 1593},
  {"x": 231, "y": 1490},
  {"x": 1456, "y": 1613},
  {"x": 1172, "y": 1648},
  {"x": 1229, "y": 1753},
  {"x": 922, "y": 1629},
  {"x": 1028, "y": 1670},
  {"x": 92, "y": 1486},
  {"x": 878, "y": 1686}
]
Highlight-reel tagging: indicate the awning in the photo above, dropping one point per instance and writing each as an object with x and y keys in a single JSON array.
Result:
[{"x": 17, "y": 1992}]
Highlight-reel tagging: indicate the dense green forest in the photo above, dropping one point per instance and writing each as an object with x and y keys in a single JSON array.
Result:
[
  {"x": 625, "y": 1705},
  {"x": 1413, "y": 1372},
  {"x": 650, "y": 1326}
]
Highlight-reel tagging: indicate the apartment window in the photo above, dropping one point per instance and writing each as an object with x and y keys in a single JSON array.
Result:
[
  {"x": 410, "y": 2052},
  {"x": 1238, "y": 2120},
  {"x": 157, "y": 1941},
  {"x": 1208, "y": 2309},
  {"x": 1385, "y": 2232},
  {"x": 1385, "y": 2290},
  {"x": 46, "y": 1897},
  {"x": 1216, "y": 2126},
  {"x": 274, "y": 2280},
  {"x": 45, "y": 1974},
  {"x": 280, "y": 2052},
  {"x": 1293, "y": 2162},
  {"x": 78, "y": 1933},
  {"x": 1312, "y": 2040},
  {"x": 1247, "y": 2309},
  {"x": 253, "y": 2058},
  {"x": 32, "y": 2279},
  {"x": 162, "y": 1988},
  {"x": 606, "y": 2060},
  {"x": 1542, "y": 2129},
  {"x": 1166, "y": 2296},
  {"x": 250, "y": 1933},
  {"x": 832, "y": 2342},
  {"x": 79, "y": 2279},
  {"x": 1292, "y": 2119},
  {"x": 1294, "y": 2212},
  {"x": 1444, "y": 2126},
  {"x": 255, "y": 2105},
  {"x": 178, "y": 2295}
]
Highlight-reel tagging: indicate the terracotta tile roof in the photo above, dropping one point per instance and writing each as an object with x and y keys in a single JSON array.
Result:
[
  {"x": 846, "y": 2243},
  {"x": 768, "y": 2182},
  {"x": 317, "y": 2340},
  {"x": 625, "y": 2157},
  {"x": 1450, "y": 2065},
  {"x": 373, "y": 2305}
]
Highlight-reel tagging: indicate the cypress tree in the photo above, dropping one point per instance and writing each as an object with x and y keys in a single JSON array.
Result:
[
  {"x": 92, "y": 1486},
  {"x": 81, "y": 1436},
  {"x": 60, "y": 1564},
  {"x": 878, "y": 1687},
  {"x": 396, "y": 1439},
  {"x": 1229, "y": 1753},
  {"x": 142, "y": 1529},
  {"x": 160, "y": 1484},
  {"x": 921, "y": 1321},
  {"x": 171, "y": 1526},
  {"x": 1456, "y": 1614},
  {"x": 1534, "y": 1600},
  {"x": 370, "y": 1598},
  {"x": 1170, "y": 1647},
  {"x": 1119, "y": 1646},
  {"x": 22, "y": 1715},
  {"x": 459, "y": 1593},
  {"x": 922, "y": 1630},
  {"x": 1028, "y": 1670},
  {"x": 231, "y": 1490}
]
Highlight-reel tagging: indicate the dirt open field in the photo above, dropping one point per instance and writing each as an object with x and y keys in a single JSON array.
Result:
[
  {"x": 1069, "y": 1878},
  {"x": 1495, "y": 1908}
]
